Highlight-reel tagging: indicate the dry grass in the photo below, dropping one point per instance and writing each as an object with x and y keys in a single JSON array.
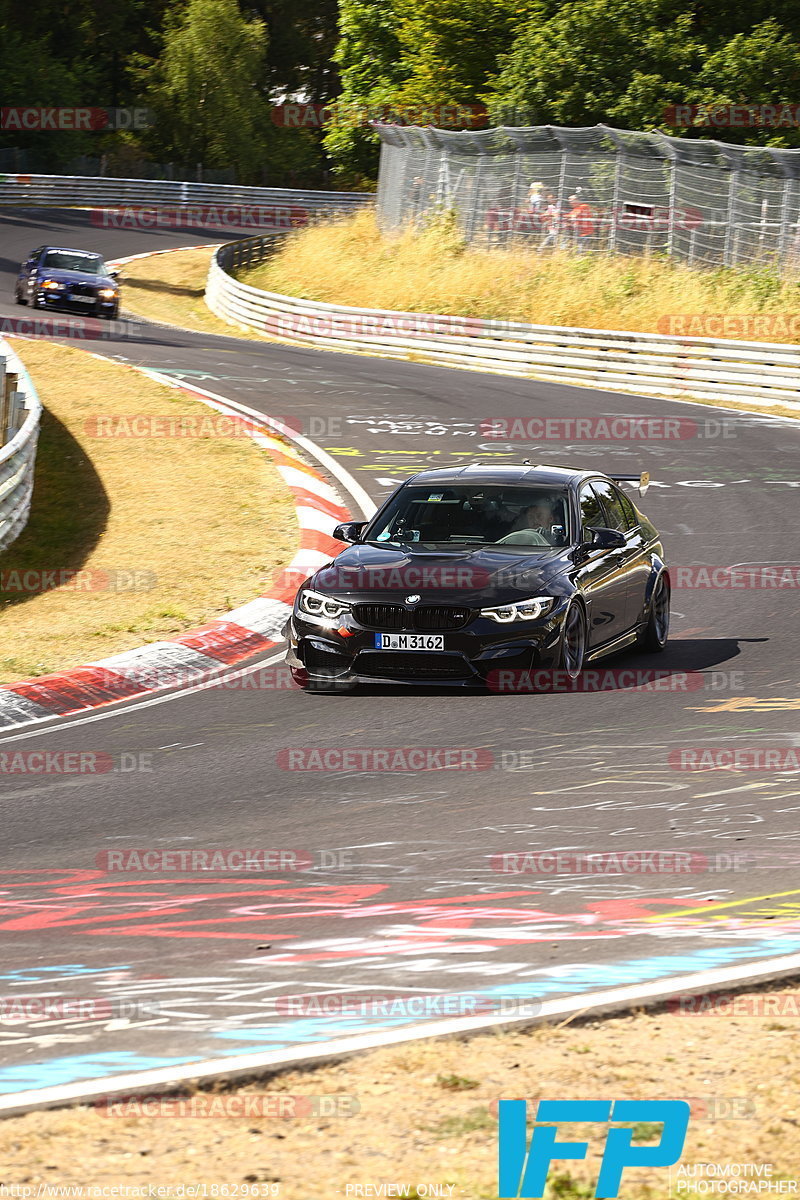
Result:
[
  {"x": 348, "y": 262},
  {"x": 427, "y": 1114},
  {"x": 203, "y": 521},
  {"x": 170, "y": 288}
]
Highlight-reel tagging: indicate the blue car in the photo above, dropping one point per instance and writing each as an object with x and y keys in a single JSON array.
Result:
[{"x": 55, "y": 277}]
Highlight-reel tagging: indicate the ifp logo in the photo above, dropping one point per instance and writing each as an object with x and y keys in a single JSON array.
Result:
[{"x": 523, "y": 1169}]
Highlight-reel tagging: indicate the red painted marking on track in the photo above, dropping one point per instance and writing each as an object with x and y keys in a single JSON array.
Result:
[
  {"x": 314, "y": 539},
  {"x": 314, "y": 500},
  {"x": 81, "y": 687},
  {"x": 224, "y": 640},
  {"x": 97, "y": 904}
]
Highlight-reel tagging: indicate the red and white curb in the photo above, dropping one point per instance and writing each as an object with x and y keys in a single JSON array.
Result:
[{"x": 245, "y": 631}]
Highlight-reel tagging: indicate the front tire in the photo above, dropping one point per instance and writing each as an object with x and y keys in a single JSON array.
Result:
[
  {"x": 573, "y": 642},
  {"x": 653, "y": 637},
  {"x": 18, "y": 297}
]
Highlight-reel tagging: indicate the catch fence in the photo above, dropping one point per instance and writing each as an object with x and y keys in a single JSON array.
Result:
[{"x": 598, "y": 190}]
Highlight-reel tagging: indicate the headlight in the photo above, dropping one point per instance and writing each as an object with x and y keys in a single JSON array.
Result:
[
  {"x": 107, "y": 293},
  {"x": 322, "y": 610},
  {"x": 50, "y": 284},
  {"x": 521, "y": 610}
]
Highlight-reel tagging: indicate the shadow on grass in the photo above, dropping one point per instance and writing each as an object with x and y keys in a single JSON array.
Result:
[
  {"x": 69, "y": 513},
  {"x": 158, "y": 285}
]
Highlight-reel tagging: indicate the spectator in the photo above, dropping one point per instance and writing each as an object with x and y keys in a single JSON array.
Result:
[
  {"x": 536, "y": 198},
  {"x": 581, "y": 223},
  {"x": 551, "y": 222}
]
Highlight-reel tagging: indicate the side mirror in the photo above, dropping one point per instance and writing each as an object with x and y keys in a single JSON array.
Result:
[
  {"x": 606, "y": 539},
  {"x": 349, "y": 531},
  {"x": 113, "y": 273}
]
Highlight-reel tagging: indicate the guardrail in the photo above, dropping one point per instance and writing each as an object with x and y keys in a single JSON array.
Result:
[
  {"x": 66, "y": 190},
  {"x": 651, "y": 363},
  {"x": 20, "y": 414}
]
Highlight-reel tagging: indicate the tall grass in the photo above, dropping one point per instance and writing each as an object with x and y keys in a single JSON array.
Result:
[{"x": 431, "y": 270}]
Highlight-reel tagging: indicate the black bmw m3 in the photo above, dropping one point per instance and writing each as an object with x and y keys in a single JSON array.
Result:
[{"x": 472, "y": 575}]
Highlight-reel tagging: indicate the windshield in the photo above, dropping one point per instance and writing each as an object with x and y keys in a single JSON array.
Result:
[
  {"x": 526, "y": 518},
  {"x": 73, "y": 260}
]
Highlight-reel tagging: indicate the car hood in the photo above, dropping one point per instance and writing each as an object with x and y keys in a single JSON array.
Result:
[
  {"x": 62, "y": 276},
  {"x": 469, "y": 575}
]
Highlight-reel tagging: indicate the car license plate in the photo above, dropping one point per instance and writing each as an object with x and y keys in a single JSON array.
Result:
[
  {"x": 81, "y": 299},
  {"x": 409, "y": 641}
]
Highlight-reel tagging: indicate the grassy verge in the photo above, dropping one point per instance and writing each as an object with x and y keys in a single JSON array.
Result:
[
  {"x": 170, "y": 288},
  {"x": 427, "y": 1114},
  {"x": 348, "y": 262},
  {"x": 170, "y": 531}
]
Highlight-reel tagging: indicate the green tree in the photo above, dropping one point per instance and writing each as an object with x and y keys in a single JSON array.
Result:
[
  {"x": 301, "y": 43},
  {"x": 206, "y": 87},
  {"x": 759, "y": 67},
  {"x": 451, "y": 49},
  {"x": 615, "y": 61},
  {"x": 372, "y": 71}
]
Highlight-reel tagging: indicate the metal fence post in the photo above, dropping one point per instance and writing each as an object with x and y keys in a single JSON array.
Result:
[
  {"x": 729, "y": 249},
  {"x": 612, "y": 234},
  {"x": 783, "y": 236},
  {"x": 476, "y": 188},
  {"x": 671, "y": 209}
]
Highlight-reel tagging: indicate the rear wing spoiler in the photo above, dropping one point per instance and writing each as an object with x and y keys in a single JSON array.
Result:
[{"x": 642, "y": 480}]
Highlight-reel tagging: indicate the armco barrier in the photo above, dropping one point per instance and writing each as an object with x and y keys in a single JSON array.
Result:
[
  {"x": 20, "y": 414},
  {"x": 65, "y": 190},
  {"x": 655, "y": 364}
]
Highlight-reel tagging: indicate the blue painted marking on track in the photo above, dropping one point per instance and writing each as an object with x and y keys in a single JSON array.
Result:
[
  {"x": 37, "y": 974},
  {"x": 55, "y": 1071},
  {"x": 565, "y": 980}
]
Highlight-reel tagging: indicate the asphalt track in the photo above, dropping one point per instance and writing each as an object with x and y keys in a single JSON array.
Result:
[{"x": 403, "y": 897}]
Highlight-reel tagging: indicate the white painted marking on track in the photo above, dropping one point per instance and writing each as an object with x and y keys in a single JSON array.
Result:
[{"x": 240, "y": 1064}]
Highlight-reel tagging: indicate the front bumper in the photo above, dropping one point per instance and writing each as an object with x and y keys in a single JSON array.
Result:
[
  {"x": 59, "y": 301},
  {"x": 472, "y": 657}
]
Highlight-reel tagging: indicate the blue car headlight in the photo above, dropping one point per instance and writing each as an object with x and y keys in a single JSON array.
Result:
[{"x": 520, "y": 610}]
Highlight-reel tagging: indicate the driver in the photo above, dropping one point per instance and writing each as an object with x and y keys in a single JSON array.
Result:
[{"x": 540, "y": 516}]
